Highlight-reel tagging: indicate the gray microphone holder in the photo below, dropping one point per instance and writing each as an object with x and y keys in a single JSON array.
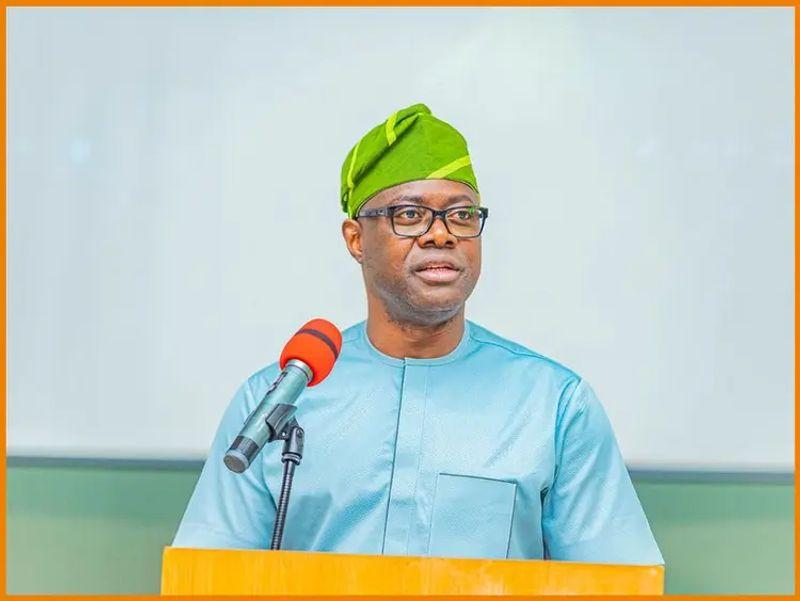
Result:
[
  {"x": 281, "y": 425},
  {"x": 293, "y": 437}
]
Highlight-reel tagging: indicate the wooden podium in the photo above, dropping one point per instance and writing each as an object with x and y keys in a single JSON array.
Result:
[{"x": 238, "y": 572}]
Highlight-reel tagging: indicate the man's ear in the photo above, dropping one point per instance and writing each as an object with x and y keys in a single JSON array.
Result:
[{"x": 351, "y": 231}]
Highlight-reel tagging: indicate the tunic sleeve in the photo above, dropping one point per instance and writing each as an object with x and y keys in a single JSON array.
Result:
[
  {"x": 591, "y": 512},
  {"x": 229, "y": 510}
]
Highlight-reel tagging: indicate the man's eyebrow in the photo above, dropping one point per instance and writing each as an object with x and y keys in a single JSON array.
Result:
[
  {"x": 461, "y": 198},
  {"x": 405, "y": 199}
]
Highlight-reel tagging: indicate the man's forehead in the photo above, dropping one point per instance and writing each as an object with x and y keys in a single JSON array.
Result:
[{"x": 438, "y": 193}]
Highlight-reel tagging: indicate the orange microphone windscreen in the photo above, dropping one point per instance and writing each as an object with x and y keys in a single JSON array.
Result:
[{"x": 317, "y": 344}]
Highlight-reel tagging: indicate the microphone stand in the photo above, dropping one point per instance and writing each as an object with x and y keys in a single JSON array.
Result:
[{"x": 283, "y": 426}]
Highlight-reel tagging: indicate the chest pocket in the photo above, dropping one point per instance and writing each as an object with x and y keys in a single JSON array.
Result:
[{"x": 471, "y": 517}]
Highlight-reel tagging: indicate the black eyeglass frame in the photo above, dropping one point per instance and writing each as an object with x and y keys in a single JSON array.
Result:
[{"x": 391, "y": 210}]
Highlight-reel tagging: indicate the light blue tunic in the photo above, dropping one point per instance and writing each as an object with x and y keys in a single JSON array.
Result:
[{"x": 490, "y": 451}]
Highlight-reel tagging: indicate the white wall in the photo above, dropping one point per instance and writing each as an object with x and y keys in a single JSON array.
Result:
[{"x": 173, "y": 209}]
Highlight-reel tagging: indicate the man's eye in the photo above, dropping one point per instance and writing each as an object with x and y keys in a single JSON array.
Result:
[{"x": 409, "y": 214}]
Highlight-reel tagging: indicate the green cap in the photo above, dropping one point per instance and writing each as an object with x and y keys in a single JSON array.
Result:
[{"x": 410, "y": 145}]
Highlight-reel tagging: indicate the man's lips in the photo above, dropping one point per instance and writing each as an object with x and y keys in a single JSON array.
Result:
[{"x": 437, "y": 273}]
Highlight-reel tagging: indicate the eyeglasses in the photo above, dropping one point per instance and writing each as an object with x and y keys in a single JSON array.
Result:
[{"x": 415, "y": 220}]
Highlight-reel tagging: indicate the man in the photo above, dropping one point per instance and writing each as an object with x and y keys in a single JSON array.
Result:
[{"x": 432, "y": 435}]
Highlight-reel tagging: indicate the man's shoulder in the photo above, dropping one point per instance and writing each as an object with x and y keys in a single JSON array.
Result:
[
  {"x": 485, "y": 338},
  {"x": 487, "y": 342},
  {"x": 519, "y": 352},
  {"x": 352, "y": 332}
]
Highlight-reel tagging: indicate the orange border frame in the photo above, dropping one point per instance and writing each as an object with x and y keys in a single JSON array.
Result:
[{"x": 395, "y": 3}]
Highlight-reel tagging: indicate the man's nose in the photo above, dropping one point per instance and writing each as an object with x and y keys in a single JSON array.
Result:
[{"x": 437, "y": 235}]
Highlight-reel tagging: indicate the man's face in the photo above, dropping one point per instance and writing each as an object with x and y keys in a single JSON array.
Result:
[{"x": 423, "y": 280}]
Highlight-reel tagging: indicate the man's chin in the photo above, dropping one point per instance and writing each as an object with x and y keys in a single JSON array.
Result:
[{"x": 438, "y": 306}]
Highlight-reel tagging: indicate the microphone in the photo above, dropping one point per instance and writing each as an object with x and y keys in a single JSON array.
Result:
[{"x": 306, "y": 360}]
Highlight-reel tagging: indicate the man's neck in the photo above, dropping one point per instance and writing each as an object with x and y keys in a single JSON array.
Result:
[{"x": 400, "y": 340}]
